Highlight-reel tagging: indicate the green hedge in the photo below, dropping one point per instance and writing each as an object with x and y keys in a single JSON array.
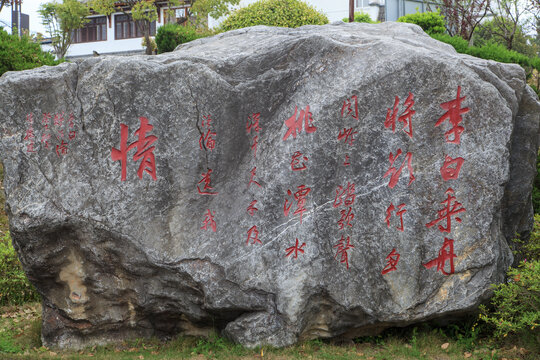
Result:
[
  {"x": 490, "y": 51},
  {"x": 430, "y": 22},
  {"x": 21, "y": 53},
  {"x": 284, "y": 13},
  {"x": 169, "y": 36},
  {"x": 361, "y": 17},
  {"x": 14, "y": 286}
]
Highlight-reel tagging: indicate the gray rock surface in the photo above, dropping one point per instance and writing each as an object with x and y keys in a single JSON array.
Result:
[{"x": 333, "y": 250}]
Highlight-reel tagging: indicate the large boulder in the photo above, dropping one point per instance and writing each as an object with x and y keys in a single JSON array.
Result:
[{"x": 274, "y": 184}]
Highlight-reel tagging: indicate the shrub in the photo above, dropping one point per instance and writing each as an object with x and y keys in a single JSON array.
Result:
[
  {"x": 169, "y": 36},
  {"x": 285, "y": 13},
  {"x": 491, "y": 51},
  {"x": 430, "y": 22},
  {"x": 515, "y": 306},
  {"x": 361, "y": 17},
  {"x": 14, "y": 286},
  {"x": 21, "y": 53}
]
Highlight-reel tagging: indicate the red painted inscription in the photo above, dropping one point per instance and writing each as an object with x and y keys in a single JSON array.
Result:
[
  {"x": 396, "y": 173},
  {"x": 294, "y": 123},
  {"x": 253, "y": 234},
  {"x": 343, "y": 246},
  {"x": 391, "y": 262},
  {"x": 405, "y": 117},
  {"x": 451, "y": 209},
  {"x": 446, "y": 253},
  {"x": 347, "y": 108},
  {"x": 451, "y": 168},
  {"x": 401, "y": 210},
  {"x": 453, "y": 114},
  {"x": 295, "y": 161},
  {"x": 209, "y": 221},
  {"x": 251, "y": 208},
  {"x": 144, "y": 150},
  {"x": 295, "y": 249},
  {"x": 300, "y": 197},
  {"x": 205, "y": 182}
]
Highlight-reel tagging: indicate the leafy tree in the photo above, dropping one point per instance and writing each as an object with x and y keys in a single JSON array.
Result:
[
  {"x": 507, "y": 20},
  {"x": 430, "y": 22},
  {"x": 286, "y": 13},
  {"x": 5, "y": 3},
  {"x": 491, "y": 31},
  {"x": 60, "y": 20},
  {"x": 21, "y": 53},
  {"x": 463, "y": 16}
]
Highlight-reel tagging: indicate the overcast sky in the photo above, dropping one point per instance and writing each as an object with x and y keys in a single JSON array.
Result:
[{"x": 29, "y": 7}]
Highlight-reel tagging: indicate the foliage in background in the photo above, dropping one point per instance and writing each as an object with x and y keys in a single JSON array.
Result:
[
  {"x": 515, "y": 306},
  {"x": 463, "y": 16},
  {"x": 21, "y": 53},
  {"x": 60, "y": 20},
  {"x": 14, "y": 286},
  {"x": 285, "y": 13},
  {"x": 361, "y": 17},
  {"x": 490, "y": 31},
  {"x": 430, "y": 22},
  {"x": 169, "y": 36},
  {"x": 491, "y": 51}
]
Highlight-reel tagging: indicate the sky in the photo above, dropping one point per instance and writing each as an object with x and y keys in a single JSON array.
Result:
[{"x": 29, "y": 7}]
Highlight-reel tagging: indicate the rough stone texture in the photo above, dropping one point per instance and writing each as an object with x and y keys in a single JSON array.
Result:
[{"x": 118, "y": 259}]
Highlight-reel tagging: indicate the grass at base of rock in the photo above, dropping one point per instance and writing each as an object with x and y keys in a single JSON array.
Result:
[{"x": 20, "y": 328}]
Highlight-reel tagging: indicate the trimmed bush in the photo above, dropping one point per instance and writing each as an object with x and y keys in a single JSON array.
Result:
[
  {"x": 430, "y": 22},
  {"x": 169, "y": 36},
  {"x": 361, "y": 17},
  {"x": 284, "y": 13},
  {"x": 491, "y": 51},
  {"x": 14, "y": 286},
  {"x": 21, "y": 53}
]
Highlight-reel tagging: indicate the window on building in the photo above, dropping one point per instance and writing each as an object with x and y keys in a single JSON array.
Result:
[
  {"x": 174, "y": 15},
  {"x": 94, "y": 30},
  {"x": 125, "y": 28},
  {"x": 362, "y": 3}
]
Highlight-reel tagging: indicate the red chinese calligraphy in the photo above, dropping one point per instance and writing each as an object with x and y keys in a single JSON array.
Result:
[
  {"x": 294, "y": 124},
  {"x": 343, "y": 246},
  {"x": 144, "y": 150},
  {"x": 205, "y": 181},
  {"x": 446, "y": 253},
  {"x": 209, "y": 221},
  {"x": 253, "y": 123},
  {"x": 451, "y": 209},
  {"x": 72, "y": 132},
  {"x": 29, "y": 136},
  {"x": 347, "y": 161},
  {"x": 405, "y": 117},
  {"x": 453, "y": 114},
  {"x": 206, "y": 121},
  {"x": 391, "y": 262},
  {"x": 295, "y": 161},
  {"x": 300, "y": 197},
  {"x": 62, "y": 148},
  {"x": 45, "y": 139},
  {"x": 347, "y": 135},
  {"x": 254, "y": 145},
  {"x": 207, "y": 141},
  {"x": 251, "y": 208},
  {"x": 253, "y": 234},
  {"x": 395, "y": 174},
  {"x": 347, "y": 192},
  {"x": 46, "y": 120},
  {"x": 295, "y": 249},
  {"x": 347, "y": 106},
  {"x": 448, "y": 172},
  {"x": 58, "y": 119},
  {"x": 253, "y": 174},
  {"x": 399, "y": 213},
  {"x": 346, "y": 217}
]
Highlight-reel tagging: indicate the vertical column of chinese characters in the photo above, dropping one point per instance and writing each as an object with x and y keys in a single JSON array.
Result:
[
  {"x": 253, "y": 128},
  {"x": 394, "y": 173},
  {"x": 207, "y": 142},
  {"x": 29, "y": 136},
  {"x": 299, "y": 162},
  {"x": 345, "y": 194},
  {"x": 143, "y": 147},
  {"x": 449, "y": 171}
]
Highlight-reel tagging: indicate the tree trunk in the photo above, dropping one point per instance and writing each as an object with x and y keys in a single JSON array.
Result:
[
  {"x": 148, "y": 44},
  {"x": 351, "y": 11}
]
